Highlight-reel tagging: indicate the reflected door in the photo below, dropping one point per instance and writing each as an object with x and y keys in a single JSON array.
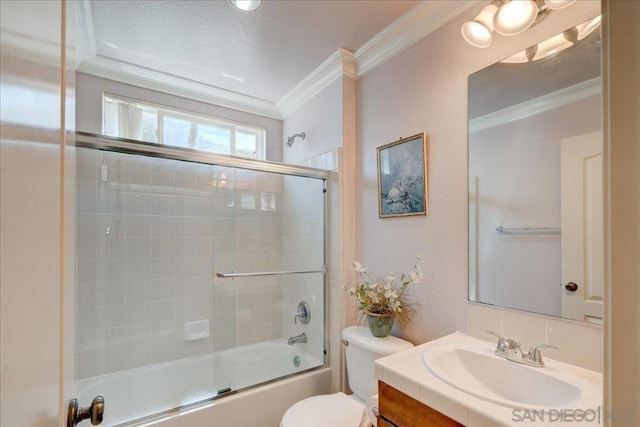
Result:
[{"x": 582, "y": 227}]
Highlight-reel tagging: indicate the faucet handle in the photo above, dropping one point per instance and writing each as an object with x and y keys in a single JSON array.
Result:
[
  {"x": 303, "y": 313},
  {"x": 504, "y": 344},
  {"x": 535, "y": 355}
]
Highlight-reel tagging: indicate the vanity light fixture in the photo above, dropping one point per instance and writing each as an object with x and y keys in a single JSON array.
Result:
[
  {"x": 246, "y": 5},
  {"x": 508, "y": 18},
  {"x": 555, "y": 44}
]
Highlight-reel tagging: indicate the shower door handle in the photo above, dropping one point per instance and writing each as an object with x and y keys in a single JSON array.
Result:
[{"x": 95, "y": 412}]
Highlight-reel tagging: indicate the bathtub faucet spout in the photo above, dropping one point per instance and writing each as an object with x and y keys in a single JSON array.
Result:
[{"x": 297, "y": 339}]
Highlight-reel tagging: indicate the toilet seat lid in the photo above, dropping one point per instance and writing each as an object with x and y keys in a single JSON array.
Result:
[{"x": 336, "y": 409}]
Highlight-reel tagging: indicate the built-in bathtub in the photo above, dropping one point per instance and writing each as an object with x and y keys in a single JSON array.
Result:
[{"x": 214, "y": 387}]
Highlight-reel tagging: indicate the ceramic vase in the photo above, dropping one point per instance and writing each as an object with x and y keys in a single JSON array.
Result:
[{"x": 379, "y": 324}]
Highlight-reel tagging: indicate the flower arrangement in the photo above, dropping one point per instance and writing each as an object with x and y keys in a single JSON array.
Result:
[{"x": 385, "y": 296}]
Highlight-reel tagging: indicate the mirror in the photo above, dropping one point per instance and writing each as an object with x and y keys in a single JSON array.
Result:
[{"x": 535, "y": 178}]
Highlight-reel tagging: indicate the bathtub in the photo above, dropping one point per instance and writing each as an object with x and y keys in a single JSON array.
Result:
[{"x": 151, "y": 394}]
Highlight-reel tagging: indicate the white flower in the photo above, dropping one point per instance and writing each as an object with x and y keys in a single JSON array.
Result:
[
  {"x": 358, "y": 267},
  {"x": 418, "y": 271},
  {"x": 390, "y": 294},
  {"x": 414, "y": 277}
]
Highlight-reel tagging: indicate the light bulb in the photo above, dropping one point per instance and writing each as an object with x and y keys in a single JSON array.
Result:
[
  {"x": 552, "y": 46},
  {"x": 588, "y": 27},
  {"x": 478, "y": 32},
  {"x": 515, "y": 17},
  {"x": 558, "y": 4},
  {"x": 246, "y": 5}
]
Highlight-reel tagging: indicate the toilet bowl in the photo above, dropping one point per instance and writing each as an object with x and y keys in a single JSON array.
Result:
[
  {"x": 335, "y": 410},
  {"x": 339, "y": 409}
]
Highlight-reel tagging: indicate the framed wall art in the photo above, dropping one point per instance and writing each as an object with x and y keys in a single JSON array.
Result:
[{"x": 402, "y": 177}]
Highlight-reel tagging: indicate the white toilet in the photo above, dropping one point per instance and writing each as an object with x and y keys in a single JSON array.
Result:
[{"x": 338, "y": 409}]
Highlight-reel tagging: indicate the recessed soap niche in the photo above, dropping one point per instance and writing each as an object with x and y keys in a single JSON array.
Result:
[{"x": 196, "y": 330}]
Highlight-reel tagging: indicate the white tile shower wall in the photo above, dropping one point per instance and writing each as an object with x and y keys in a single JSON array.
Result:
[
  {"x": 255, "y": 221},
  {"x": 148, "y": 241},
  {"x": 579, "y": 344},
  {"x": 303, "y": 249}
]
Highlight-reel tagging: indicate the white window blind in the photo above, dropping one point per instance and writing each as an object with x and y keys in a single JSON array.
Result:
[{"x": 128, "y": 118}]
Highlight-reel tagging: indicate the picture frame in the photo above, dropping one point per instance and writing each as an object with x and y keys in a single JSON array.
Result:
[{"x": 402, "y": 177}]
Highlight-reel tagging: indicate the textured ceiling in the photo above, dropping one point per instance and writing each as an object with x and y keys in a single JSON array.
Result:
[{"x": 271, "y": 49}]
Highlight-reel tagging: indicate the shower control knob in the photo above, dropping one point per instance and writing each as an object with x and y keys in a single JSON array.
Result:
[
  {"x": 95, "y": 412},
  {"x": 304, "y": 313},
  {"x": 571, "y": 286}
]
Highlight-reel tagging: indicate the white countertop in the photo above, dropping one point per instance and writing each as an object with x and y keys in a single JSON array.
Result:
[{"x": 407, "y": 372}]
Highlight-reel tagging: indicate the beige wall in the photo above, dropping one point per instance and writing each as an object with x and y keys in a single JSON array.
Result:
[
  {"x": 321, "y": 120},
  {"x": 425, "y": 89}
]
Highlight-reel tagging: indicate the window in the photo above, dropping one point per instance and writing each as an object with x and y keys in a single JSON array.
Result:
[{"x": 128, "y": 118}]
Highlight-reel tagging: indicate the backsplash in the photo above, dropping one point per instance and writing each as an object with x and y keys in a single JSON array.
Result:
[{"x": 579, "y": 344}]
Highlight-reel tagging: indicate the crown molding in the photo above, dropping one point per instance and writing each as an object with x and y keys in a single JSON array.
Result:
[
  {"x": 538, "y": 105},
  {"x": 410, "y": 28},
  {"x": 407, "y": 30},
  {"x": 86, "y": 39},
  {"x": 401, "y": 34},
  {"x": 339, "y": 64},
  {"x": 124, "y": 72}
]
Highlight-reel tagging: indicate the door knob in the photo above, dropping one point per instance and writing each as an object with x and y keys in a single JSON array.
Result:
[
  {"x": 75, "y": 414},
  {"x": 571, "y": 286}
]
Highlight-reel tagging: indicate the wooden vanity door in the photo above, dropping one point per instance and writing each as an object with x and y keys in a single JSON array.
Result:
[{"x": 399, "y": 410}]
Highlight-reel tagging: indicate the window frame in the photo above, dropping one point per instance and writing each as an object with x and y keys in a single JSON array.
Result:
[{"x": 194, "y": 119}]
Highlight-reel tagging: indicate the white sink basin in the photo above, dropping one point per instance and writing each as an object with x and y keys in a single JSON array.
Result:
[{"x": 478, "y": 371}]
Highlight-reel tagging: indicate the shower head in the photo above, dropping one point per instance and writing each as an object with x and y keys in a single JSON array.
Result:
[{"x": 293, "y": 138}]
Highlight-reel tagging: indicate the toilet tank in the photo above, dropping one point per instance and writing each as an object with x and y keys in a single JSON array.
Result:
[{"x": 362, "y": 350}]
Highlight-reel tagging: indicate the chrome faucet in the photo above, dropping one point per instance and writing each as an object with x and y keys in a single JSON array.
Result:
[
  {"x": 297, "y": 339},
  {"x": 534, "y": 357},
  {"x": 507, "y": 348},
  {"x": 510, "y": 349}
]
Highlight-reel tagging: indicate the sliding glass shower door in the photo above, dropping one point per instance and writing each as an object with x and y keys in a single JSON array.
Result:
[{"x": 188, "y": 278}]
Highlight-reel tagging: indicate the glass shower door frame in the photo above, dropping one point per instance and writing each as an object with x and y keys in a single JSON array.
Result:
[{"x": 126, "y": 146}]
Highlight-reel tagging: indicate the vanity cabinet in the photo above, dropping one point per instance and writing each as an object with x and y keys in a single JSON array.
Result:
[{"x": 399, "y": 410}]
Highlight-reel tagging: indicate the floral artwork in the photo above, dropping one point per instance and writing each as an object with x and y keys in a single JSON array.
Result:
[{"x": 402, "y": 177}]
